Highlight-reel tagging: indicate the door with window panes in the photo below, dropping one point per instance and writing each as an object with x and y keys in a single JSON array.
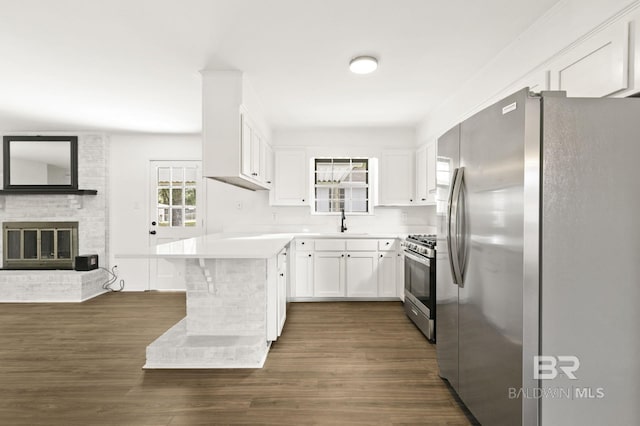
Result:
[{"x": 175, "y": 213}]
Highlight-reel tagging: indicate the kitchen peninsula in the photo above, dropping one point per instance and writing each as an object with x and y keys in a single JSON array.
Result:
[{"x": 232, "y": 301}]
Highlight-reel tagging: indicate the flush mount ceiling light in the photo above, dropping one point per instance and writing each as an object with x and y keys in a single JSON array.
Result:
[{"x": 363, "y": 64}]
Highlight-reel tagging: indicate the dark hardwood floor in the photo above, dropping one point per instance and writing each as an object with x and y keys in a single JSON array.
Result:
[{"x": 336, "y": 363}]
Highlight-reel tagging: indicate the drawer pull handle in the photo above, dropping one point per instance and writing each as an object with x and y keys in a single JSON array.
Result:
[{"x": 414, "y": 312}]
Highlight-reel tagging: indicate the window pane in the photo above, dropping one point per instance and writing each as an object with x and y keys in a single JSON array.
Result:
[
  {"x": 46, "y": 245},
  {"x": 163, "y": 197},
  {"x": 163, "y": 216},
  {"x": 322, "y": 206},
  {"x": 64, "y": 244},
  {"x": 164, "y": 176},
  {"x": 177, "y": 176},
  {"x": 30, "y": 244},
  {"x": 190, "y": 175},
  {"x": 358, "y": 177},
  {"x": 13, "y": 241},
  {"x": 190, "y": 216},
  {"x": 176, "y": 217},
  {"x": 190, "y": 196},
  {"x": 176, "y": 197}
]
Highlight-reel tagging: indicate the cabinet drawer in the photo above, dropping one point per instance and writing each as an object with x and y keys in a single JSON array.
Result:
[
  {"x": 362, "y": 245},
  {"x": 387, "y": 245},
  {"x": 329, "y": 245},
  {"x": 304, "y": 245}
]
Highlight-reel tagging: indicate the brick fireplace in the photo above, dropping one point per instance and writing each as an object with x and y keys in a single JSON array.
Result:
[{"x": 89, "y": 214}]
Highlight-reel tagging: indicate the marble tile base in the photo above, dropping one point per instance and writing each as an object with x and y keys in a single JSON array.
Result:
[
  {"x": 50, "y": 286},
  {"x": 176, "y": 349}
]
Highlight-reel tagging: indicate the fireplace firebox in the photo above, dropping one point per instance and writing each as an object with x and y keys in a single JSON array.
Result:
[{"x": 39, "y": 245}]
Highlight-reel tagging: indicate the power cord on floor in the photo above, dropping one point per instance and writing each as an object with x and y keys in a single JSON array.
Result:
[{"x": 113, "y": 277}]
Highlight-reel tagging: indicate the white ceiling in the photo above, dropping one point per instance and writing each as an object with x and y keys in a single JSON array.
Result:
[{"x": 132, "y": 65}]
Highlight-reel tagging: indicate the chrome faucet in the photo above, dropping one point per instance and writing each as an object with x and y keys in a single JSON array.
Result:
[{"x": 343, "y": 227}]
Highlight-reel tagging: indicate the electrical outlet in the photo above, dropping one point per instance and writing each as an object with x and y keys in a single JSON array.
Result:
[
  {"x": 239, "y": 205},
  {"x": 404, "y": 217}
]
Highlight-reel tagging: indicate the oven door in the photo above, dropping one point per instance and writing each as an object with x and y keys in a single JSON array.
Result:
[{"x": 417, "y": 280}]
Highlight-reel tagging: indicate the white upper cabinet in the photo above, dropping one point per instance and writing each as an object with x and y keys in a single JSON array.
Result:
[
  {"x": 232, "y": 141},
  {"x": 291, "y": 180},
  {"x": 268, "y": 164},
  {"x": 596, "y": 67},
  {"x": 432, "y": 149},
  {"x": 426, "y": 174},
  {"x": 396, "y": 178},
  {"x": 421, "y": 175}
]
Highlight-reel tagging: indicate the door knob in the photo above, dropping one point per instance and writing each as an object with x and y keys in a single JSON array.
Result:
[{"x": 152, "y": 232}]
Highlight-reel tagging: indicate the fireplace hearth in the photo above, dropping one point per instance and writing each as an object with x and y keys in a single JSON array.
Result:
[{"x": 39, "y": 245}]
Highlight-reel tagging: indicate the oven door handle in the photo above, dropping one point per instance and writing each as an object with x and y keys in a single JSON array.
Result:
[
  {"x": 416, "y": 258},
  {"x": 454, "y": 227}
]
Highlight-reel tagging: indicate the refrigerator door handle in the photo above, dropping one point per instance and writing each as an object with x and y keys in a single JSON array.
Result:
[
  {"x": 448, "y": 223},
  {"x": 461, "y": 231},
  {"x": 454, "y": 227}
]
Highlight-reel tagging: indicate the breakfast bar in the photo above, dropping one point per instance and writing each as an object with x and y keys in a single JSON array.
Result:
[{"x": 232, "y": 302}]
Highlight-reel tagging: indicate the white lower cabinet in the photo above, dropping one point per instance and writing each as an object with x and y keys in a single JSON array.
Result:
[
  {"x": 387, "y": 263},
  {"x": 328, "y": 274},
  {"x": 400, "y": 275},
  {"x": 276, "y": 295},
  {"x": 281, "y": 281},
  {"x": 346, "y": 268},
  {"x": 303, "y": 276},
  {"x": 361, "y": 274}
]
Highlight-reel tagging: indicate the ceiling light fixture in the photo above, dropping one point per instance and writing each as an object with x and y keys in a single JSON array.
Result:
[{"x": 363, "y": 64}]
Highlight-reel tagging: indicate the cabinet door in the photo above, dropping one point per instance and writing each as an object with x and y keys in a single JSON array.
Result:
[
  {"x": 303, "y": 284},
  {"x": 291, "y": 178},
  {"x": 361, "y": 274},
  {"x": 328, "y": 275},
  {"x": 387, "y": 274},
  {"x": 282, "y": 297},
  {"x": 396, "y": 182},
  {"x": 245, "y": 147},
  {"x": 421, "y": 175},
  {"x": 596, "y": 67},
  {"x": 431, "y": 172},
  {"x": 257, "y": 153},
  {"x": 268, "y": 164},
  {"x": 400, "y": 275}
]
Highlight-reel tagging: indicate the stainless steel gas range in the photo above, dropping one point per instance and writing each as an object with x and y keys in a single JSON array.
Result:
[{"x": 420, "y": 282}]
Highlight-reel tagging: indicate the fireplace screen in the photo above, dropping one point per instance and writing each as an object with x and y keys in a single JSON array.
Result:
[{"x": 40, "y": 245}]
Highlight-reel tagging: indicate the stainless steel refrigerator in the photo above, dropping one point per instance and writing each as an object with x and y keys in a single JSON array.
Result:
[{"x": 538, "y": 204}]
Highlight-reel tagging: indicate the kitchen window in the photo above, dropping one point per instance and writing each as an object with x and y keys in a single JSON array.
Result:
[{"x": 341, "y": 183}]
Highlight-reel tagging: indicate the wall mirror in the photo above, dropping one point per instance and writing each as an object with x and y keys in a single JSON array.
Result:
[{"x": 40, "y": 162}]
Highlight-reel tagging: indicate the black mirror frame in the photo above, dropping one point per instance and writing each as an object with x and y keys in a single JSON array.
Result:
[{"x": 73, "y": 142}]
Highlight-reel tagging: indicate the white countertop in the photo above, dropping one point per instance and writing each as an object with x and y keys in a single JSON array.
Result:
[{"x": 238, "y": 246}]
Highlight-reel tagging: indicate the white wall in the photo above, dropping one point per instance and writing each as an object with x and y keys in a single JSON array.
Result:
[
  {"x": 129, "y": 157},
  {"x": 522, "y": 61}
]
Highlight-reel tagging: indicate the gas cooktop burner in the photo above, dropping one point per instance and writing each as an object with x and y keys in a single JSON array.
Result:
[{"x": 428, "y": 240}]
